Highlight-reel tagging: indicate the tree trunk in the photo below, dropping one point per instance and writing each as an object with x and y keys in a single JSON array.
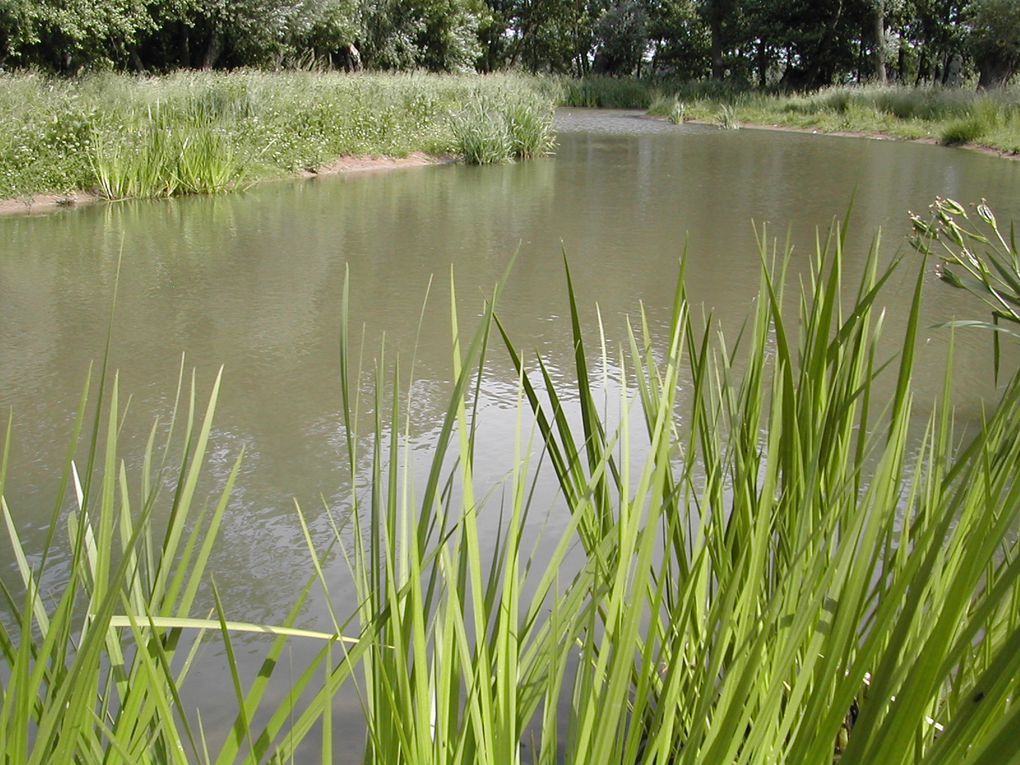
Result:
[
  {"x": 136, "y": 60},
  {"x": 184, "y": 47},
  {"x": 351, "y": 59},
  {"x": 763, "y": 63},
  {"x": 718, "y": 68},
  {"x": 213, "y": 49},
  {"x": 994, "y": 73},
  {"x": 878, "y": 40}
]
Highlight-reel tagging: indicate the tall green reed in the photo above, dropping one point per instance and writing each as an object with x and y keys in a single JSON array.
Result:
[
  {"x": 494, "y": 130},
  {"x": 788, "y": 578},
  {"x": 95, "y": 663},
  {"x": 765, "y": 560},
  {"x": 164, "y": 158}
]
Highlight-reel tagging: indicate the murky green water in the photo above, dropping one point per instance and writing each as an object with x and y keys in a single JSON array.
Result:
[{"x": 253, "y": 281}]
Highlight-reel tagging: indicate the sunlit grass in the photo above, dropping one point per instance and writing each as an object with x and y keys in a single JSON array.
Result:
[
  {"x": 494, "y": 130},
  {"x": 205, "y": 132},
  {"x": 950, "y": 115}
]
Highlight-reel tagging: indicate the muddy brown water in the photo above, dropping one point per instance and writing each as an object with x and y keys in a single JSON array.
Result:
[{"x": 253, "y": 281}]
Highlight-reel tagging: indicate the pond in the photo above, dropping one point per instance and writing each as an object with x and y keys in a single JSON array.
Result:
[{"x": 253, "y": 281}]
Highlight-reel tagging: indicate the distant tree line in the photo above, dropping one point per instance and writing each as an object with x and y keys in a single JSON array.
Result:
[{"x": 793, "y": 43}]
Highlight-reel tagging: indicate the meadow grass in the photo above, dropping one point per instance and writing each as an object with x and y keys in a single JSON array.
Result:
[
  {"x": 776, "y": 566},
  {"x": 950, "y": 116},
  {"x": 192, "y": 132}
]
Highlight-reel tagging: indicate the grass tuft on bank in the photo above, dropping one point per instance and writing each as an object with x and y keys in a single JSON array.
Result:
[
  {"x": 776, "y": 563},
  {"x": 190, "y": 132}
]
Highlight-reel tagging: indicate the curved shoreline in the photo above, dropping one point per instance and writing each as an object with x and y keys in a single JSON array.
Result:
[
  {"x": 46, "y": 203},
  {"x": 870, "y": 134},
  {"x": 42, "y": 204}
]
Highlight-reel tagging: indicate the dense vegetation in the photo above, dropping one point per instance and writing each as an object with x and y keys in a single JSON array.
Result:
[
  {"x": 781, "y": 564},
  {"x": 791, "y": 43},
  {"x": 206, "y": 132}
]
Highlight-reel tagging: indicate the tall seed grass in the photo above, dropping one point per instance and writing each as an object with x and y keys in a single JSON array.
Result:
[{"x": 776, "y": 563}]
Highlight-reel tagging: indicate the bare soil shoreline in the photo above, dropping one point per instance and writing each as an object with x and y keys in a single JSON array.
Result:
[{"x": 41, "y": 204}]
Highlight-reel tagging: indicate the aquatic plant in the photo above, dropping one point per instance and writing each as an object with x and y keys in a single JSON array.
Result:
[
  {"x": 103, "y": 633},
  {"x": 493, "y": 130},
  {"x": 727, "y": 118},
  {"x": 482, "y": 136},
  {"x": 157, "y": 161},
  {"x": 778, "y": 562},
  {"x": 530, "y": 123},
  {"x": 963, "y": 131},
  {"x": 975, "y": 255},
  {"x": 672, "y": 108}
]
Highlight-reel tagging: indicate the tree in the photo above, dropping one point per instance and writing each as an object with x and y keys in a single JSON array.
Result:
[
  {"x": 67, "y": 35},
  {"x": 937, "y": 31},
  {"x": 719, "y": 15},
  {"x": 995, "y": 40},
  {"x": 621, "y": 35},
  {"x": 679, "y": 38}
]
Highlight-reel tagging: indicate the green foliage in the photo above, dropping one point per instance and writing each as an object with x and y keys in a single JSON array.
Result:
[
  {"x": 68, "y": 35},
  {"x": 995, "y": 40},
  {"x": 782, "y": 560},
  {"x": 209, "y": 131},
  {"x": 501, "y": 128},
  {"x": 977, "y": 256},
  {"x": 621, "y": 34},
  {"x": 963, "y": 131}
]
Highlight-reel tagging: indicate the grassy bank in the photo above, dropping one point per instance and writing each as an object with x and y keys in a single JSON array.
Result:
[
  {"x": 772, "y": 567},
  {"x": 949, "y": 116},
  {"x": 121, "y": 136},
  {"x": 126, "y": 136}
]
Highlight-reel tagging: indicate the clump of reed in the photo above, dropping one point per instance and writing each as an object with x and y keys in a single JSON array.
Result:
[
  {"x": 159, "y": 161},
  {"x": 496, "y": 130},
  {"x": 726, "y": 118},
  {"x": 607, "y": 92},
  {"x": 778, "y": 562},
  {"x": 94, "y": 664},
  {"x": 967, "y": 130},
  {"x": 670, "y": 107}
]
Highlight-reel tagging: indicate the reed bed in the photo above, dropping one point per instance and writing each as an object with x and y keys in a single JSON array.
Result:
[
  {"x": 777, "y": 566},
  {"x": 208, "y": 132}
]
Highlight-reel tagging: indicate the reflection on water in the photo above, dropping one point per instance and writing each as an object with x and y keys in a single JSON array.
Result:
[{"x": 253, "y": 282}]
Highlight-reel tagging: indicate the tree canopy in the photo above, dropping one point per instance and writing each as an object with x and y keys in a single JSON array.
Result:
[{"x": 795, "y": 43}]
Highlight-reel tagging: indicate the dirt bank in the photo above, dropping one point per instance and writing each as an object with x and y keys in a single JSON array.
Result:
[{"x": 40, "y": 204}]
